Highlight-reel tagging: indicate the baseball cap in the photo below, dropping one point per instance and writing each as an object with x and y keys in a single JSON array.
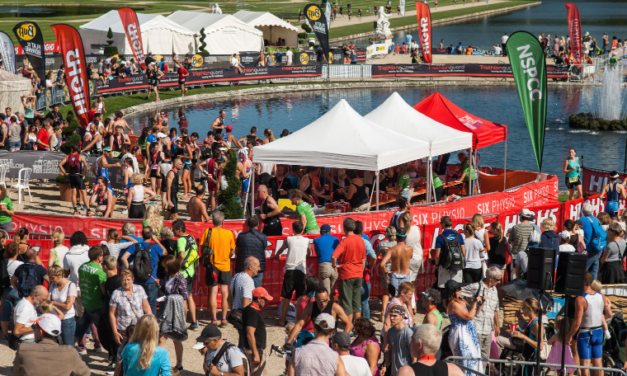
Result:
[
  {"x": 260, "y": 292},
  {"x": 223, "y": 149},
  {"x": 325, "y": 228},
  {"x": 210, "y": 331},
  {"x": 229, "y": 128},
  {"x": 565, "y": 235},
  {"x": 325, "y": 317},
  {"x": 525, "y": 213},
  {"x": 342, "y": 339},
  {"x": 161, "y": 135},
  {"x": 579, "y": 223},
  {"x": 49, "y": 323},
  {"x": 106, "y": 149}
]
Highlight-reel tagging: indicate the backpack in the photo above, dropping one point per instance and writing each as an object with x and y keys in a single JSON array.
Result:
[
  {"x": 27, "y": 280},
  {"x": 599, "y": 237},
  {"x": 5, "y": 278},
  {"x": 191, "y": 254},
  {"x": 451, "y": 257},
  {"x": 142, "y": 266}
]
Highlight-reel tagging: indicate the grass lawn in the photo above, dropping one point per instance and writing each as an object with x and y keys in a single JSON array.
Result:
[{"x": 283, "y": 9}]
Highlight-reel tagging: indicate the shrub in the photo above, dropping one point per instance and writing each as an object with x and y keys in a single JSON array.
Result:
[
  {"x": 307, "y": 28},
  {"x": 232, "y": 208},
  {"x": 203, "y": 45}
]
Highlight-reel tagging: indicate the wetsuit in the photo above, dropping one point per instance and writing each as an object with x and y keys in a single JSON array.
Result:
[
  {"x": 117, "y": 146},
  {"x": 613, "y": 196},
  {"x": 220, "y": 123},
  {"x": 271, "y": 225},
  {"x": 154, "y": 165},
  {"x": 174, "y": 190},
  {"x": 245, "y": 181}
]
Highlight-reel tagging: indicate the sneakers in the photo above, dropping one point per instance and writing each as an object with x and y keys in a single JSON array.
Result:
[
  {"x": 194, "y": 326},
  {"x": 112, "y": 365},
  {"x": 82, "y": 352},
  {"x": 158, "y": 198},
  {"x": 99, "y": 350},
  {"x": 125, "y": 211},
  {"x": 224, "y": 324}
]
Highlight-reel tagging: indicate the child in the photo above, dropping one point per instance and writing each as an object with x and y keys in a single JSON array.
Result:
[
  {"x": 397, "y": 50},
  {"x": 555, "y": 356},
  {"x": 564, "y": 242},
  {"x": 607, "y": 309},
  {"x": 48, "y": 307},
  {"x": 288, "y": 331}
]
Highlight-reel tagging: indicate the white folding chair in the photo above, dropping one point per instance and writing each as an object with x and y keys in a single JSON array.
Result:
[
  {"x": 23, "y": 178},
  {"x": 3, "y": 175}
]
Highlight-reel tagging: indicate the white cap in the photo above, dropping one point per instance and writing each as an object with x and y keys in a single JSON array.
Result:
[
  {"x": 243, "y": 151},
  {"x": 525, "y": 213},
  {"x": 565, "y": 235},
  {"x": 153, "y": 63},
  {"x": 325, "y": 317},
  {"x": 161, "y": 135},
  {"x": 49, "y": 323}
]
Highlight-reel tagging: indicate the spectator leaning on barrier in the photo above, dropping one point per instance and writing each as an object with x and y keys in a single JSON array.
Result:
[{"x": 251, "y": 243}]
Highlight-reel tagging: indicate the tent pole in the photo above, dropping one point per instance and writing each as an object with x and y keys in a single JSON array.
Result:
[
  {"x": 505, "y": 168},
  {"x": 252, "y": 192},
  {"x": 469, "y": 173},
  {"x": 435, "y": 199},
  {"x": 428, "y": 177},
  {"x": 371, "y": 196},
  {"x": 377, "y": 190}
]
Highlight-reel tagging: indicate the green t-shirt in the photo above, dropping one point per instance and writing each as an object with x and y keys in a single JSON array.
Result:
[
  {"x": 4, "y": 217},
  {"x": 437, "y": 183},
  {"x": 404, "y": 182},
  {"x": 465, "y": 168},
  {"x": 181, "y": 246},
  {"x": 303, "y": 208},
  {"x": 91, "y": 277}
]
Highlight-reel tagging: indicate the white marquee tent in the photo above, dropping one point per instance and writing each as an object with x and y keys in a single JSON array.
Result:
[
  {"x": 226, "y": 34},
  {"x": 159, "y": 35},
  {"x": 272, "y": 26}
]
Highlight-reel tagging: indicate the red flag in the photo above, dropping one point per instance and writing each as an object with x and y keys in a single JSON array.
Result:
[
  {"x": 574, "y": 29},
  {"x": 424, "y": 30},
  {"x": 76, "y": 75},
  {"x": 133, "y": 34}
]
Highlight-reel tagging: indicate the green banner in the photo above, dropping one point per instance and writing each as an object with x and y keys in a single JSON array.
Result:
[{"x": 529, "y": 67}]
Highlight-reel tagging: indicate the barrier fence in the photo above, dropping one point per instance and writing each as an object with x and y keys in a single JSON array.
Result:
[{"x": 513, "y": 367}]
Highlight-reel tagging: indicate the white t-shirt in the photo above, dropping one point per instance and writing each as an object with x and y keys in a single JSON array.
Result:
[
  {"x": 522, "y": 259},
  {"x": 356, "y": 366},
  {"x": 24, "y": 312},
  {"x": 232, "y": 358},
  {"x": 566, "y": 248},
  {"x": 234, "y": 61},
  {"x": 61, "y": 297},
  {"x": 61, "y": 251},
  {"x": 504, "y": 39},
  {"x": 241, "y": 287},
  {"x": 474, "y": 253},
  {"x": 72, "y": 262},
  {"x": 297, "y": 247},
  {"x": 497, "y": 50},
  {"x": 413, "y": 240},
  {"x": 289, "y": 56},
  {"x": 12, "y": 265}
]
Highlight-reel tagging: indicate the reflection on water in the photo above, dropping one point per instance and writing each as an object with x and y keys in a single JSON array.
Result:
[{"x": 292, "y": 111}]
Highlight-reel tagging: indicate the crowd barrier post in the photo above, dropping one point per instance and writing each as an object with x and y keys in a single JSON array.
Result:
[{"x": 520, "y": 363}]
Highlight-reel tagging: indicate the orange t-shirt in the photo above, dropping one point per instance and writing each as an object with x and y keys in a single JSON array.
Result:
[{"x": 350, "y": 254}]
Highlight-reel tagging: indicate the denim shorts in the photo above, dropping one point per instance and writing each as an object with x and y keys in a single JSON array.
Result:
[{"x": 15, "y": 145}]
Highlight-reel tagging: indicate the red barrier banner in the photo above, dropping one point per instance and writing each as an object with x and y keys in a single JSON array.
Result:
[
  {"x": 76, "y": 74},
  {"x": 424, "y": 30},
  {"x": 594, "y": 180},
  {"x": 133, "y": 34},
  {"x": 574, "y": 30}
]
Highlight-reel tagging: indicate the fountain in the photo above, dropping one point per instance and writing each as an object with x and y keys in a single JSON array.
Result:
[{"x": 608, "y": 99}]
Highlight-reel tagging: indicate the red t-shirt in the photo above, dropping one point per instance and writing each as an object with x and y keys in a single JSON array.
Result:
[
  {"x": 91, "y": 115},
  {"x": 44, "y": 137},
  {"x": 350, "y": 253},
  {"x": 182, "y": 71}
]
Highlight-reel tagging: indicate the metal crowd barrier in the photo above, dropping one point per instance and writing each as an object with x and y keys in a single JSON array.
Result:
[
  {"x": 51, "y": 96},
  {"x": 515, "y": 365}
]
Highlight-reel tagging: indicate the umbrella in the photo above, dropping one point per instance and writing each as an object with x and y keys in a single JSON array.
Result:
[{"x": 518, "y": 289}]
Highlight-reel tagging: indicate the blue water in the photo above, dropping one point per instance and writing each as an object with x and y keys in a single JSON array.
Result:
[{"x": 292, "y": 111}]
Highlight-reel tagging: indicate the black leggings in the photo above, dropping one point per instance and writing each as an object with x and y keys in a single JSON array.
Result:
[
  {"x": 138, "y": 210},
  {"x": 472, "y": 275}
]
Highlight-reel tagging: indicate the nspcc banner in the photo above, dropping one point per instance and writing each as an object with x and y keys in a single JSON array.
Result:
[
  {"x": 32, "y": 42},
  {"x": 8, "y": 52},
  {"x": 529, "y": 68},
  {"x": 133, "y": 34},
  {"x": 318, "y": 22},
  {"x": 71, "y": 46},
  {"x": 424, "y": 30},
  {"x": 574, "y": 28}
]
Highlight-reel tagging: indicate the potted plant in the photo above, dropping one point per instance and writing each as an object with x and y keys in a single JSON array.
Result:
[
  {"x": 63, "y": 181},
  {"x": 110, "y": 50},
  {"x": 232, "y": 208}
]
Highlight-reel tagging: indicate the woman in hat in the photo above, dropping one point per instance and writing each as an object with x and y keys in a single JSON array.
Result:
[
  {"x": 615, "y": 192},
  {"x": 463, "y": 338}
]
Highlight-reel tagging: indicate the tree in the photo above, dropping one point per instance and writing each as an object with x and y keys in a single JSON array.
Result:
[
  {"x": 110, "y": 50},
  {"x": 203, "y": 45},
  {"x": 226, "y": 197},
  {"x": 307, "y": 28}
]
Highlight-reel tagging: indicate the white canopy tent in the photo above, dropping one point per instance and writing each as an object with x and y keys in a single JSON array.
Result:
[
  {"x": 159, "y": 35},
  {"x": 396, "y": 115},
  {"x": 342, "y": 138},
  {"x": 226, "y": 34},
  {"x": 272, "y": 26}
]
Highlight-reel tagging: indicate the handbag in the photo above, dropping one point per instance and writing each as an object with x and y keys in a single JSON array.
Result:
[
  {"x": 14, "y": 342},
  {"x": 546, "y": 349},
  {"x": 235, "y": 318}
]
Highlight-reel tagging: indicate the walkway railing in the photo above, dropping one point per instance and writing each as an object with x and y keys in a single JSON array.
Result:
[{"x": 514, "y": 365}]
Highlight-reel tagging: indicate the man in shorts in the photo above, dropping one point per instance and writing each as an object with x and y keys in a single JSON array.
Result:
[
  {"x": 186, "y": 247},
  {"x": 172, "y": 185},
  {"x": 77, "y": 168},
  {"x": 222, "y": 243},
  {"x": 444, "y": 275}
]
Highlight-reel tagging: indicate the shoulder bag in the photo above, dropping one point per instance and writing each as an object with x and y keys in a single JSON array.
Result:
[{"x": 235, "y": 317}]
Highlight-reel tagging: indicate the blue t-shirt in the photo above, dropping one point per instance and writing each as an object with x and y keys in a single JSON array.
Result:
[
  {"x": 151, "y": 138},
  {"x": 408, "y": 39},
  {"x": 324, "y": 247},
  {"x": 155, "y": 253},
  {"x": 450, "y": 235},
  {"x": 369, "y": 250},
  {"x": 159, "y": 365},
  {"x": 122, "y": 252}
]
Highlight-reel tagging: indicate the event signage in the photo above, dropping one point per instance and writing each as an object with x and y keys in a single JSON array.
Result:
[
  {"x": 424, "y": 30},
  {"x": 318, "y": 22},
  {"x": 49, "y": 48},
  {"x": 574, "y": 30},
  {"x": 467, "y": 70},
  {"x": 528, "y": 63},
  {"x": 133, "y": 34},
  {"x": 32, "y": 41},
  {"x": 76, "y": 72},
  {"x": 7, "y": 52},
  {"x": 594, "y": 180},
  {"x": 376, "y": 50}
]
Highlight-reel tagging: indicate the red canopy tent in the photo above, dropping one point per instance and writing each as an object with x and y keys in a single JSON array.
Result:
[{"x": 440, "y": 109}]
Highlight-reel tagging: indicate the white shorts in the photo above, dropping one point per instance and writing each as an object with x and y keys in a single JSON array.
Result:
[{"x": 446, "y": 275}]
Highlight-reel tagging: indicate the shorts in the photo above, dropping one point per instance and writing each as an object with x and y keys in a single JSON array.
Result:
[
  {"x": 245, "y": 185},
  {"x": 572, "y": 185},
  {"x": 190, "y": 285},
  {"x": 211, "y": 186},
  {"x": 15, "y": 145},
  {"x": 611, "y": 208},
  {"x": 175, "y": 201},
  {"x": 396, "y": 279},
  {"x": 77, "y": 182},
  {"x": 154, "y": 83},
  {"x": 350, "y": 295},
  {"x": 155, "y": 174},
  {"x": 181, "y": 81},
  {"x": 294, "y": 280},
  {"x": 445, "y": 275},
  {"x": 590, "y": 344},
  {"x": 138, "y": 210},
  {"x": 187, "y": 167},
  {"x": 221, "y": 278}
]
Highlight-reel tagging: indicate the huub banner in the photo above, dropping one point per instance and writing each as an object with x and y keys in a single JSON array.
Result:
[
  {"x": 529, "y": 68},
  {"x": 73, "y": 54},
  {"x": 8, "y": 52},
  {"x": 424, "y": 30},
  {"x": 32, "y": 42},
  {"x": 133, "y": 34},
  {"x": 318, "y": 23}
]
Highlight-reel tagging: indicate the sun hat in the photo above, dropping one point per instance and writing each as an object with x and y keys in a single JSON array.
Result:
[{"x": 451, "y": 286}]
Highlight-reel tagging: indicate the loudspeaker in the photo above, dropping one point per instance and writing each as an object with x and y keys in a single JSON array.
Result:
[
  {"x": 540, "y": 268},
  {"x": 571, "y": 269}
]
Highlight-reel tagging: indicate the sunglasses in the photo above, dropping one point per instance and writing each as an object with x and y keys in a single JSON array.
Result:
[{"x": 322, "y": 300}]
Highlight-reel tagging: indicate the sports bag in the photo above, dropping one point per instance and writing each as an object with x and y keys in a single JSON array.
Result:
[
  {"x": 142, "y": 266},
  {"x": 451, "y": 256}
]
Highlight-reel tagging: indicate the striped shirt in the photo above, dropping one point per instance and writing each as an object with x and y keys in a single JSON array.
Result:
[
  {"x": 241, "y": 287},
  {"x": 484, "y": 320},
  {"x": 520, "y": 237}
]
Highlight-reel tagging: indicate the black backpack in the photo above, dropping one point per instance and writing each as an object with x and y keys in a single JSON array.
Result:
[
  {"x": 5, "y": 278},
  {"x": 142, "y": 266},
  {"x": 451, "y": 257},
  {"x": 27, "y": 280}
]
